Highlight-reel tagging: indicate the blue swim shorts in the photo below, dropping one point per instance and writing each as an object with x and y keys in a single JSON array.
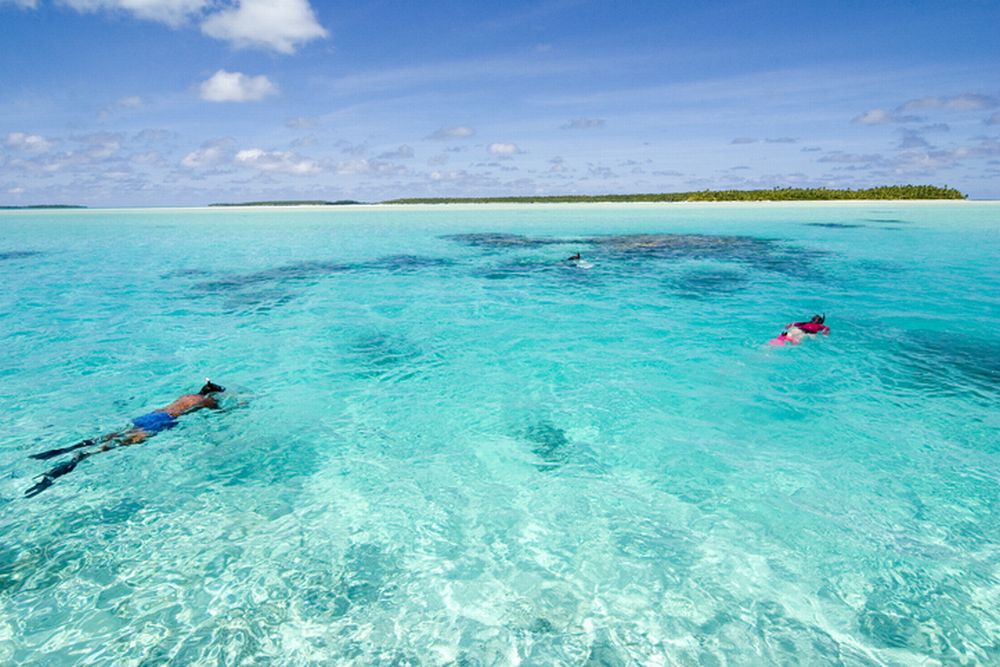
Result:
[{"x": 154, "y": 422}]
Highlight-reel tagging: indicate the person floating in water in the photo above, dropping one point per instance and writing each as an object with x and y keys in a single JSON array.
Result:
[
  {"x": 796, "y": 331},
  {"x": 812, "y": 327},
  {"x": 143, "y": 427},
  {"x": 785, "y": 338},
  {"x": 578, "y": 262}
]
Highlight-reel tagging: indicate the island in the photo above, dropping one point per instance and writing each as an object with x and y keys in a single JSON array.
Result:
[
  {"x": 294, "y": 202},
  {"x": 886, "y": 192},
  {"x": 39, "y": 206}
]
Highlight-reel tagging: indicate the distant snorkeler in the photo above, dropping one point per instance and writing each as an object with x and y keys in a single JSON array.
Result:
[
  {"x": 812, "y": 327},
  {"x": 578, "y": 261},
  {"x": 785, "y": 338},
  {"x": 796, "y": 331},
  {"x": 143, "y": 427}
]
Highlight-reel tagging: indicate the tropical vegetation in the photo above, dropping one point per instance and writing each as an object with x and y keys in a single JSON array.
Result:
[{"x": 775, "y": 194}]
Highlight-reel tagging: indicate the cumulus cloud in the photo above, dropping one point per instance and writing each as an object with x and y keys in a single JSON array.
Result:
[
  {"x": 964, "y": 102},
  {"x": 101, "y": 145},
  {"x": 29, "y": 142},
  {"x": 402, "y": 153},
  {"x": 171, "y": 12},
  {"x": 130, "y": 102},
  {"x": 281, "y": 25},
  {"x": 210, "y": 154},
  {"x": 840, "y": 157},
  {"x": 301, "y": 123},
  {"x": 364, "y": 166},
  {"x": 226, "y": 86},
  {"x": 912, "y": 139},
  {"x": 276, "y": 162},
  {"x": 584, "y": 124},
  {"x": 882, "y": 116},
  {"x": 455, "y": 132},
  {"x": 903, "y": 113},
  {"x": 503, "y": 149},
  {"x": 348, "y": 148}
]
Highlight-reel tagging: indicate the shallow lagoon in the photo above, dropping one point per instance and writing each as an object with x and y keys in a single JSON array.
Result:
[{"x": 455, "y": 449}]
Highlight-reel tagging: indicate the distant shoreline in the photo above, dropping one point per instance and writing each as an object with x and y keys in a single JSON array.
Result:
[
  {"x": 778, "y": 197},
  {"x": 880, "y": 193},
  {"x": 375, "y": 208},
  {"x": 35, "y": 207}
]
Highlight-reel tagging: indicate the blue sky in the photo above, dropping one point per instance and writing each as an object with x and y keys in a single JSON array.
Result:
[{"x": 188, "y": 102}]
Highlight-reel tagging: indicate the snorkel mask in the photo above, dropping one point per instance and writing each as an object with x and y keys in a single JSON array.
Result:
[{"x": 210, "y": 388}]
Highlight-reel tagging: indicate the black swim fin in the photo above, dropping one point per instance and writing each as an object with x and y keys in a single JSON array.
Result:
[
  {"x": 44, "y": 456},
  {"x": 54, "y": 473}
]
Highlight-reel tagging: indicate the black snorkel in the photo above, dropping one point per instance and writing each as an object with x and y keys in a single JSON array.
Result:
[{"x": 211, "y": 388}]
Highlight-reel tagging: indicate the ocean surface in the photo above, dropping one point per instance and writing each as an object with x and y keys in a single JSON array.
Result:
[{"x": 444, "y": 445}]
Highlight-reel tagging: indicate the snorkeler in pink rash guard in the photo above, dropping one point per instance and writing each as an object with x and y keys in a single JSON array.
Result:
[
  {"x": 785, "y": 338},
  {"x": 812, "y": 327}
]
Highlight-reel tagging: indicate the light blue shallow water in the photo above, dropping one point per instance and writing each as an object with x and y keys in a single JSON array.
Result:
[{"x": 456, "y": 450}]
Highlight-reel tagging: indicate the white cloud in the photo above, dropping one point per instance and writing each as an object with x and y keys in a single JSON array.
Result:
[
  {"x": 964, "y": 102},
  {"x": 503, "y": 149},
  {"x": 226, "y": 86},
  {"x": 171, "y": 12},
  {"x": 101, "y": 145},
  {"x": 130, "y": 102},
  {"x": 29, "y": 142},
  {"x": 352, "y": 167},
  {"x": 584, "y": 124},
  {"x": 23, "y": 4},
  {"x": 277, "y": 162},
  {"x": 301, "y": 123},
  {"x": 281, "y": 25},
  {"x": 881, "y": 117},
  {"x": 210, "y": 154},
  {"x": 743, "y": 140},
  {"x": 840, "y": 157},
  {"x": 373, "y": 167},
  {"x": 455, "y": 132},
  {"x": 404, "y": 152}
]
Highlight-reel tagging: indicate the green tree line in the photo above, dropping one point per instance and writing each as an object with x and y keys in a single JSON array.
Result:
[{"x": 775, "y": 194}]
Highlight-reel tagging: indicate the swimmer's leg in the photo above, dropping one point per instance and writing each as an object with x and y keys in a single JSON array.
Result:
[
  {"x": 89, "y": 442},
  {"x": 131, "y": 437}
]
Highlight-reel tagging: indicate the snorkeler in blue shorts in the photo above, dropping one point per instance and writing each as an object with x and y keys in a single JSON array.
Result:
[{"x": 143, "y": 427}]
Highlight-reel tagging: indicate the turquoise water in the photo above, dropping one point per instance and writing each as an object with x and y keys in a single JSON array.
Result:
[{"x": 448, "y": 448}]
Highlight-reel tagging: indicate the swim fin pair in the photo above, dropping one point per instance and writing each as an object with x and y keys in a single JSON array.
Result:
[{"x": 56, "y": 472}]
